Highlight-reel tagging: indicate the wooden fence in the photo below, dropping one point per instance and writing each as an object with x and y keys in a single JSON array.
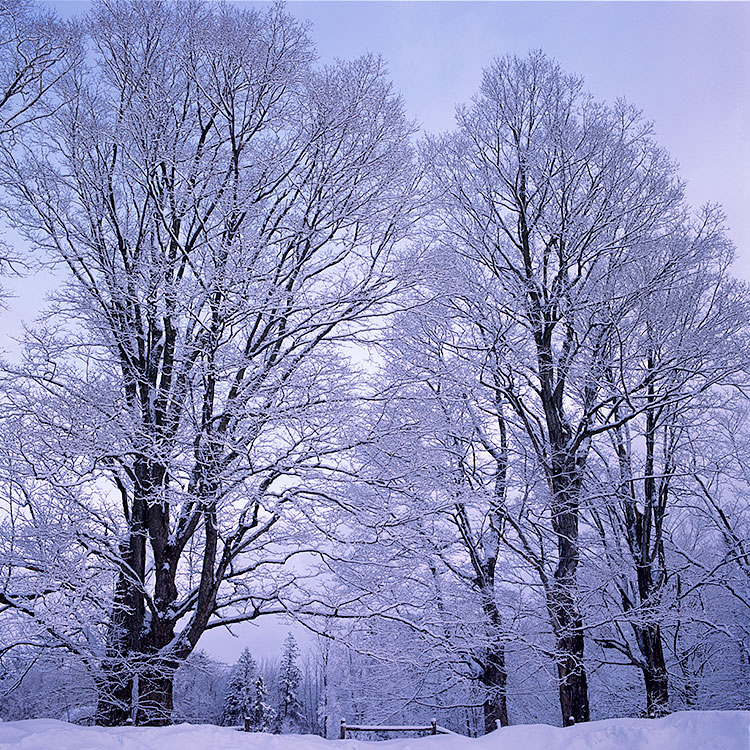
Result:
[{"x": 433, "y": 728}]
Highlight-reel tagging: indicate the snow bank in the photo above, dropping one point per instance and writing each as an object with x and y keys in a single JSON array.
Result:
[{"x": 698, "y": 730}]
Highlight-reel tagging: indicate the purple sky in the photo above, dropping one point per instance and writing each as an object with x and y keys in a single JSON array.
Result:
[{"x": 685, "y": 64}]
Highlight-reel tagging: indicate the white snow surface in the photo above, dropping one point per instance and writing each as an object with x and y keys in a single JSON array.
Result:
[{"x": 687, "y": 730}]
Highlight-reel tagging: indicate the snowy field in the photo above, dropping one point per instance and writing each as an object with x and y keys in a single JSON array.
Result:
[{"x": 698, "y": 730}]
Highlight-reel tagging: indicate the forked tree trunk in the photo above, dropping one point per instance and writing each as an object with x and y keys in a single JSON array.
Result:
[
  {"x": 648, "y": 547},
  {"x": 644, "y": 532},
  {"x": 132, "y": 646},
  {"x": 565, "y": 469}
]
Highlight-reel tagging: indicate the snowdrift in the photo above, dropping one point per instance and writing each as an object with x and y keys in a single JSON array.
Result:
[{"x": 697, "y": 730}]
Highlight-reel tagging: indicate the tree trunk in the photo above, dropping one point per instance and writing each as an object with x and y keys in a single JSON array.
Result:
[
  {"x": 573, "y": 684},
  {"x": 155, "y": 694},
  {"x": 115, "y": 691},
  {"x": 644, "y": 534},
  {"x": 495, "y": 680},
  {"x": 655, "y": 675},
  {"x": 647, "y": 546},
  {"x": 565, "y": 469},
  {"x": 567, "y": 623},
  {"x": 129, "y": 644}
]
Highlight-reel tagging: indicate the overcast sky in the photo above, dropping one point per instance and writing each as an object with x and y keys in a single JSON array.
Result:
[{"x": 685, "y": 64}]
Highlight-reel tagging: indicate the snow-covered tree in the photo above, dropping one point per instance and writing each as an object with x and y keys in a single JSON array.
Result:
[
  {"x": 36, "y": 51},
  {"x": 289, "y": 714},
  {"x": 546, "y": 198},
  {"x": 675, "y": 341},
  {"x": 567, "y": 299},
  {"x": 261, "y": 713},
  {"x": 227, "y": 215},
  {"x": 239, "y": 700},
  {"x": 539, "y": 498}
]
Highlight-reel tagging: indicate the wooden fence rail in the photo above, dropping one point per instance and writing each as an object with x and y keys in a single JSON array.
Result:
[{"x": 433, "y": 728}]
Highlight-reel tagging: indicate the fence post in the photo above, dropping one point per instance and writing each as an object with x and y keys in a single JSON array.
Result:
[
  {"x": 342, "y": 735},
  {"x": 247, "y": 723},
  {"x": 433, "y": 726}
]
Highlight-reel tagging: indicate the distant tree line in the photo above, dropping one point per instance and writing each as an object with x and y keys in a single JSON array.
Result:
[{"x": 277, "y": 695}]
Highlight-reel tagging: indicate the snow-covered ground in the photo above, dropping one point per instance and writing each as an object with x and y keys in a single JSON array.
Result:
[{"x": 698, "y": 730}]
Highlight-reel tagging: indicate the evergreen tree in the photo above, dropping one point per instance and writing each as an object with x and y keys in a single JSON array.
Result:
[
  {"x": 289, "y": 716},
  {"x": 261, "y": 714},
  {"x": 240, "y": 696}
]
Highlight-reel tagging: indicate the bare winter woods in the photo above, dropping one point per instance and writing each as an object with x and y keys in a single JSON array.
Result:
[{"x": 471, "y": 406}]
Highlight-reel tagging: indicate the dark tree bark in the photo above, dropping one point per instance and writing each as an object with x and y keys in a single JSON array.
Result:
[
  {"x": 647, "y": 547},
  {"x": 494, "y": 676},
  {"x": 655, "y": 676},
  {"x": 155, "y": 700},
  {"x": 565, "y": 465},
  {"x": 115, "y": 692},
  {"x": 545, "y": 196},
  {"x": 643, "y": 505},
  {"x": 567, "y": 623}
]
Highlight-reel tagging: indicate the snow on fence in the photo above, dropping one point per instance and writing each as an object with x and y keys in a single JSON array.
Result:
[{"x": 433, "y": 728}]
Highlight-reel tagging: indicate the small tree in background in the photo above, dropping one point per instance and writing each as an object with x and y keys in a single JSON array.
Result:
[
  {"x": 239, "y": 701},
  {"x": 261, "y": 713},
  {"x": 289, "y": 717}
]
